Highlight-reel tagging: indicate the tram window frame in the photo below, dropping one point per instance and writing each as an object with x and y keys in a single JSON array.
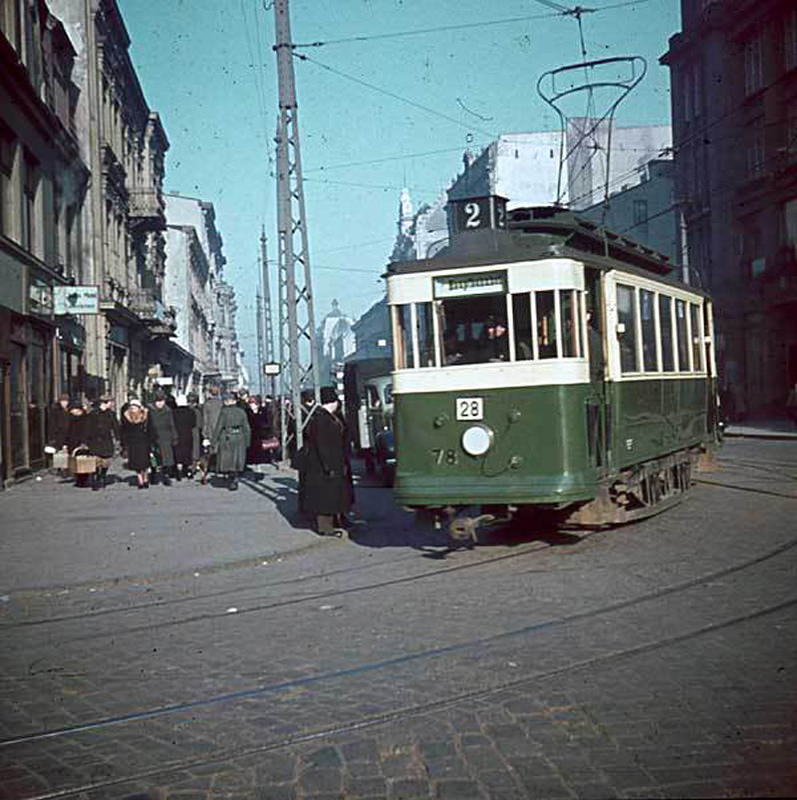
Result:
[
  {"x": 628, "y": 338},
  {"x": 545, "y": 330},
  {"x": 683, "y": 350},
  {"x": 667, "y": 343},
  {"x": 697, "y": 338},
  {"x": 471, "y": 329},
  {"x": 521, "y": 315},
  {"x": 424, "y": 322},
  {"x": 571, "y": 339},
  {"x": 648, "y": 330},
  {"x": 404, "y": 356}
]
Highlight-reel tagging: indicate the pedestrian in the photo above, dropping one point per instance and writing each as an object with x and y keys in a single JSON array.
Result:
[
  {"x": 185, "y": 420},
  {"x": 230, "y": 440},
  {"x": 164, "y": 436},
  {"x": 136, "y": 438},
  {"x": 196, "y": 445},
  {"x": 210, "y": 416},
  {"x": 327, "y": 490},
  {"x": 77, "y": 436},
  {"x": 58, "y": 426},
  {"x": 103, "y": 429},
  {"x": 791, "y": 404}
]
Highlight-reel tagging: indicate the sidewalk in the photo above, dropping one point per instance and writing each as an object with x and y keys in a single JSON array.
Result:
[
  {"x": 773, "y": 428},
  {"x": 53, "y": 534}
]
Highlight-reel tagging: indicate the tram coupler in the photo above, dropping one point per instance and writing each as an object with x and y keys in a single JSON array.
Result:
[{"x": 464, "y": 531}]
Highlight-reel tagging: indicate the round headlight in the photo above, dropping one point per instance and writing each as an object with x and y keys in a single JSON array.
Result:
[{"x": 476, "y": 440}]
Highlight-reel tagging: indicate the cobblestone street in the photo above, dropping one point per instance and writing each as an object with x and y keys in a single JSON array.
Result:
[{"x": 190, "y": 642}]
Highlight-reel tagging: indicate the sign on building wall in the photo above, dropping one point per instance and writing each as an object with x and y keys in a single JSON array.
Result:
[{"x": 76, "y": 299}]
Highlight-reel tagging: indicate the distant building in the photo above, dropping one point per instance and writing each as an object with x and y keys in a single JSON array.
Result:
[
  {"x": 335, "y": 341},
  {"x": 372, "y": 334},
  {"x": 733, "y": 75},
  {"x": 43, "y": 181},
  {"x": 646, "y": 211}
]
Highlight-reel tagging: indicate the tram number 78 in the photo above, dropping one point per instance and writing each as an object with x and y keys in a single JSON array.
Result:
[
  {"x": 470, "y": 408},
  {"x": 441, "y": 457}
]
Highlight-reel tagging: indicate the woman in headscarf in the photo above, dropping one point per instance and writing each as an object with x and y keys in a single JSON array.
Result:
[
  {"x": 136, "y": 438},
  {"x": 78, "y": 435},
  {"x": 103, "y": 429},
  {"x": 230, "y": 440}
]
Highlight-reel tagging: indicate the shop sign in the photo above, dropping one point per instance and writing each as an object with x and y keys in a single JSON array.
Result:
[
  {"x": 40, "y": 299},
  {"x": 470, "y": 285},
  {"x": 77, "y": 299}
]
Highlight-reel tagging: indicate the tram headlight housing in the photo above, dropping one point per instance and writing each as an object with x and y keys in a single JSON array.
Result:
[{"x": 477, "y": 440}]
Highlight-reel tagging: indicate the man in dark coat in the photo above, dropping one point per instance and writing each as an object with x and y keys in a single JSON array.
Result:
[
  {"x": 58, "y": 423},
  {"x": 102, "y": 430},
  {"x": 77, "y": 435},
  {"x": 185, "y": 420},
  {"x": 327, "y": 489},
  {"x": 164, "y": 435},
  {"x": 230, "y": 440}
]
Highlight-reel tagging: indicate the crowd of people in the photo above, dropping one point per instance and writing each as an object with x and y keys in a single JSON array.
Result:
[{"x": 171, "y": 438}]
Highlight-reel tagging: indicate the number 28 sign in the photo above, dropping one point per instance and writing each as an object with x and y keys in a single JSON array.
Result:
[{"x": 476, "y": 213}]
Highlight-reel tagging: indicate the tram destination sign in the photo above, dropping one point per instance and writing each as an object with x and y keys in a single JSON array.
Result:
[
  {"x": 476, "y": 283},
  {"x": 76, "y": 299}
]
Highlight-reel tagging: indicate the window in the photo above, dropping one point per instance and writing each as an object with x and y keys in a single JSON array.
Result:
[
  {"x": 754, "y": 64},
  {"x": 9, "y": 22},
  {"x": 474, "y": 329},
  {"x": 665, "y": 323},
  {"x": 790, "y": 40},
  {"x": 6, "y": 175},
  {"x": 754, "y": 148},
  {"x": 30, "y": 186},
  {"x": 546, "y": 324},
  {"x": 521, "y": 314},
  {"x": 683, "y": 337},
  {"x": 425, "y": 325},
  {"x": 697, "y": 339},
  {"x": 571, "y": 338},
  {"x": 648, "y": 326},
  {"x": 403, "y": 336},
  {"x": 626, "y": 328},
  {"x": 640, "y": 212}
]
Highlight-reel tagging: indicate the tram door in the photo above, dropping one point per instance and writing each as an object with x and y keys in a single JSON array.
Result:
[{"x": 598, "y": 410}]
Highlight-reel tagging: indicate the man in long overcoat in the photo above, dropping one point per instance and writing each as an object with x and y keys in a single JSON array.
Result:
[
  {"x": 327, "y": 489},
  {"x": 230, "y": 440},
  {"x": 164, "y": 435}
]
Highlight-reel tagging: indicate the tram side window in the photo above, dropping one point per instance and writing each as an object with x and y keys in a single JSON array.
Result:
[
  {"x": 423, "y": 312},
  {"x": 648, "y": 325},
  {"x": 569, "y": 307},
  {"x": 697, "y": 339},
  {"x": 546, "y": 324},
  {"x": 683, "y": 338},
  {"x": 474, "y": 330},
  {"x": 626, "y": 317},
  {"x": 521, "y": 313},
  {"x": 404, "y": 355},
  {"x": 665, "y": 321}
]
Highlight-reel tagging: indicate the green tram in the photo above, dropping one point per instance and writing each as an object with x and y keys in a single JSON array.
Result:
[{"x": 548, "y": 364}]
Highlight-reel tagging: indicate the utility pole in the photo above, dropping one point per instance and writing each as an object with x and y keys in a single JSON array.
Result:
[
  {"x": 298, "y": 354},
  {"x": 269, "y": 355},
  {"x": 259, "y": 328}
]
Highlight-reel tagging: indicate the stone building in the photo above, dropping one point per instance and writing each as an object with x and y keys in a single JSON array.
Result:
[
  {"x": 42, "y": 185},
  {"x": 733, "y": 76},
  {"x": 335, "y": 340},
  {"x": 124, "y": 144},
  {"x": 646, "y": 210}
]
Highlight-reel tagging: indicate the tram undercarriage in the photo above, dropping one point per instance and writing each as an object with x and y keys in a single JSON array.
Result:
[{"x": 632, "y": 494}]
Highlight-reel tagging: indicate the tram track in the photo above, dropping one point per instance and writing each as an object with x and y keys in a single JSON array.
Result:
[
  {"x": 426, "y": 654},
  {"x": 404, "y": 712},
  {"x": 519, "y": 552}
]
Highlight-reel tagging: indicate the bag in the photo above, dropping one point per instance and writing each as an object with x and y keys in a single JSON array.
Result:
[
  {"x": 81, "y": 463},
  {"x": 61, "y": 459}
]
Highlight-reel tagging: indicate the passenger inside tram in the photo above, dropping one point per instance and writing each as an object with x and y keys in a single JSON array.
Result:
[{"x": 475, "y": 330}]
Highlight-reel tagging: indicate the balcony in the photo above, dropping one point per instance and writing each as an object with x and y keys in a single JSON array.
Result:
[
  {"x": 149, "y": 308},
  {"x": 147, "y": 209}
]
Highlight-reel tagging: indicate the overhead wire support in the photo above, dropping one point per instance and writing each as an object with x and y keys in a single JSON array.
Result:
[
  {"x": 298, "y": 351},
  {"x": 267, "y": 330}
]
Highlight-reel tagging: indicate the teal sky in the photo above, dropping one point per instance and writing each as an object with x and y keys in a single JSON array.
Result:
[{"x": 208, "y": 68}]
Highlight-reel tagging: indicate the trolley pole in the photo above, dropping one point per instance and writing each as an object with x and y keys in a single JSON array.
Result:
[
  {"x": 268, "y": 320},
  {"x": 298, "y": 353}
]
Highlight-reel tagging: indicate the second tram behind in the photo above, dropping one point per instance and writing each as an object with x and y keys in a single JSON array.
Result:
[{"x": 549, "y": 364}]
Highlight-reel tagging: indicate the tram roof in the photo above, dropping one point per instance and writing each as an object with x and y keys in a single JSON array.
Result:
[{"x": 538, "y": 233}]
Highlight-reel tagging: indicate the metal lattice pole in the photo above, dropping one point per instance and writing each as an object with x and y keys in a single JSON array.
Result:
[
  {"x": 259, "y": 328},
  {"x": 268, "y": 319},
  {"x": 297, "y": 323}
]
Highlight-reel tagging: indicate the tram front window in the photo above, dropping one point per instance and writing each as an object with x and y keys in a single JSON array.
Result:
[{"x": 474, "y": 330}]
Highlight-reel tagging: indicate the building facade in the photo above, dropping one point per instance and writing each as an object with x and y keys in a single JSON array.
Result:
[
  {"x": 43, "y": 182},
  {"x": 124, "y": 144},
  {"x": 733, "y": 75}
]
